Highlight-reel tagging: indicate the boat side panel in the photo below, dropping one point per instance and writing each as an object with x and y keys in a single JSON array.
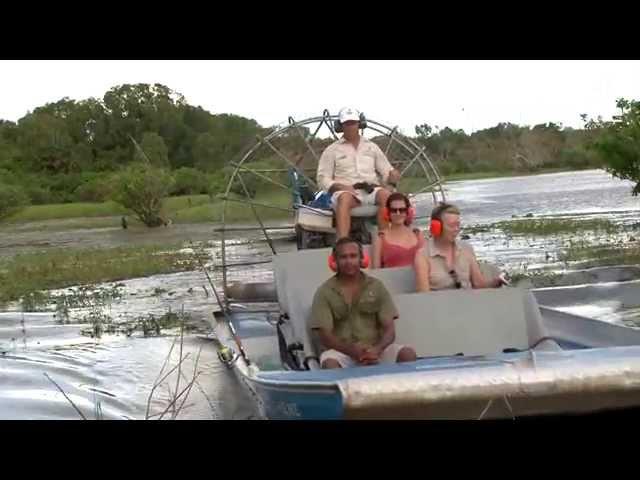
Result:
[{"x": 299, "y": 403}]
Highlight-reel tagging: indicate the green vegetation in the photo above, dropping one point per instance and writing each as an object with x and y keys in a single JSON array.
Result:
[
  {"x": 554, "y": 226},
  {"x": 597, "y": 256},
  {"x": 142, "y": 189},
  {"x": 507, "y": 148},
  {"x": 26, "y": 273},
  {"x": 88, "y": 214},
  {"x": 36, "y": 213},
  {"x": 12, "y": 198},
  {"x": 72, "y": 151},
  {"x": 618, "y": 141},
  {"x": 547, "y": 226}
]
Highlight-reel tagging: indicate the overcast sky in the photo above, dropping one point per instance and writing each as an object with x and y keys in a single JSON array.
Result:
[{"x": 460, "y": 94}]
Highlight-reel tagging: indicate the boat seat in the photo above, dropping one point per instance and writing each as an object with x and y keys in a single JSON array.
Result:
[
  {"x": 364, "y": 211},
  {"x": 472, "y": 322},
  {"x": 298, "y": 275}
]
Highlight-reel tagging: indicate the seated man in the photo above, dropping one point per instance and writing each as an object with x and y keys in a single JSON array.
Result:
[
  {"x": 354, "y": 166},
  {"x": 354, "y": 315}
]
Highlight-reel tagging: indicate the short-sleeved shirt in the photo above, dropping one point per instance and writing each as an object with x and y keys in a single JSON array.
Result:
[
  {"x": 359, "y": 322},
  {"x": 341, "y": 163},
  {"x": 439, "y": 276}
]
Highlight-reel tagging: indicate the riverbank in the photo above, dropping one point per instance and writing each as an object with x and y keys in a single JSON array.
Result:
[{"x": 194, "y": 208}]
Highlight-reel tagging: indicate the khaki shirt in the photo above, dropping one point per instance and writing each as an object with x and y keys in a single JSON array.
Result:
[
  {"x": 439, "y": 277},
  {"x": 359, "y": 322},
  {"x": 341, "y": 163}
]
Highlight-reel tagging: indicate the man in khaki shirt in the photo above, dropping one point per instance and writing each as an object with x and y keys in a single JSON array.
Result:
[
  {"x": 349, "y": 161},
  {"x": 354, "y": 315}
]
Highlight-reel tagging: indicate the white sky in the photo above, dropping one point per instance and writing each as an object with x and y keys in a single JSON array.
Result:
[{"x": 460, "y": 94}]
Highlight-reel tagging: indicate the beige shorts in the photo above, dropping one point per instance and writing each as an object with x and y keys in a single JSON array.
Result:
[
  {"x": 389, "y": 355},
  {"x": 361, "y": 195}
]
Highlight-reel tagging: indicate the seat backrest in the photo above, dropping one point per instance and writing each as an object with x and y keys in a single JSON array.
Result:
[
  {"x": 435, "y": 323},
  {"x": 298, "y": 275},
  {"x": 396, "y": 279},
  {"x": 472, "y": 322}
]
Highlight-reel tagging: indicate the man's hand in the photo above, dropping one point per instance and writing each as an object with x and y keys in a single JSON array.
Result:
[
  {"x": 501, "y": 280},
  {"x": 357, "y": 351},
  {"x": 394, "y": 177},
  {"x": 371, "y": 356}
]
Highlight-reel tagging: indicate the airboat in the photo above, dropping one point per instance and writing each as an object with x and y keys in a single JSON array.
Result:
[{"x": 482, "y": 354}]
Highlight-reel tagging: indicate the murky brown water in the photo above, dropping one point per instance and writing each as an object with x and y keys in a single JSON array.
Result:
[{"x": 118, "y": 372}]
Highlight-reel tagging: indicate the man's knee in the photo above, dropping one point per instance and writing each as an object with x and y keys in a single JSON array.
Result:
[
  {"x": 407, "y": 354},
  {"x": 346, "y": 201},
  {"x": 331, "y": 363}
]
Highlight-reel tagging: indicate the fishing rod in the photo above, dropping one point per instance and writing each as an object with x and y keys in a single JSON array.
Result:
[{"x": 224, "y": 310}]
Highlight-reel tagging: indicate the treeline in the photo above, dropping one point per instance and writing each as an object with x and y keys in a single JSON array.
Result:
[
  {"x": 73, "y": 150},
  {"x": 509, "y": 148},
  {"x": 65, "y": 151}
]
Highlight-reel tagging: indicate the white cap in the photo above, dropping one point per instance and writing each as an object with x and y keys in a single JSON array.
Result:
[{"x": 348, "y": 113}]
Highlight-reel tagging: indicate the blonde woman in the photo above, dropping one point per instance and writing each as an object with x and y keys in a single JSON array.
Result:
[{"x": 446, "y": 262}]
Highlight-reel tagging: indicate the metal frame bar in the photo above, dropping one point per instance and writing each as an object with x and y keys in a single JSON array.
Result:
[
  {"x": 297, "y": 127},
  {"x": 413, "y": 160},
  {"x": 283, "y": 156},
  {"x": 386, "y": 150},
  {"x": 249, "y": 202},
  {"x": 244, "y": 229},
  {"x": 243, "y": 264},
  {"x": 278, "y": 184},
  {"x": 255, "y": 214},
  {"x": 416, "y": 153}
]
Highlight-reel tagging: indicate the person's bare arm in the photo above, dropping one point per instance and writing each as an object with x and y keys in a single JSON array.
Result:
[
  {"x": 384, "y": 168},
  {"x": 388, "y": 334},
  {"x": 478, "y": 280},
  {"x": 393, "y": 177},
  {"x": 372, "y": 354},
  {"x": 326, "y": 167}
]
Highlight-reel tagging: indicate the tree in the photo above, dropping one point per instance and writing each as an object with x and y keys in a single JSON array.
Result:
[
  {"x": 155, "y": 149},
  {"x": 141, "y": 188},
  {"x": 207, "y": 153},
  {"x": 618, "y": 142},
  {"x": 45, "y": 142},
  {"x": 425, "y": 130},
  {"x": 12, "y": 198},
  {"x": 189, "y": 181}
]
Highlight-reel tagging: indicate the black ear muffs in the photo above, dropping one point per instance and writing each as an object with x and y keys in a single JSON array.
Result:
[{"x": 337, "y": 126}]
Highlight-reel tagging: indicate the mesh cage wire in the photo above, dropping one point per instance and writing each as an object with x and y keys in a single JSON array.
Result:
[{"x": 261, "y": 175}]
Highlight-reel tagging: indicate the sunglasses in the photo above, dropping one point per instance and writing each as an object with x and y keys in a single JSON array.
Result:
[
  {"x": 398, "y": 210},
  {"x": 454, "y": 275}
]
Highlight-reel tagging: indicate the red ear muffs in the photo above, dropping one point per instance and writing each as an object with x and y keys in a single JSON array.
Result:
[
  {"x": 435, "y": 228},
  {"x": 365, "y": 260},
  {"x": 411, "y": 214},
  {"x": 333, "y": 265}
]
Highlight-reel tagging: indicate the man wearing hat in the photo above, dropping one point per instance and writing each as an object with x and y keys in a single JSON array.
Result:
[{"x": 346, "y": 165}]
